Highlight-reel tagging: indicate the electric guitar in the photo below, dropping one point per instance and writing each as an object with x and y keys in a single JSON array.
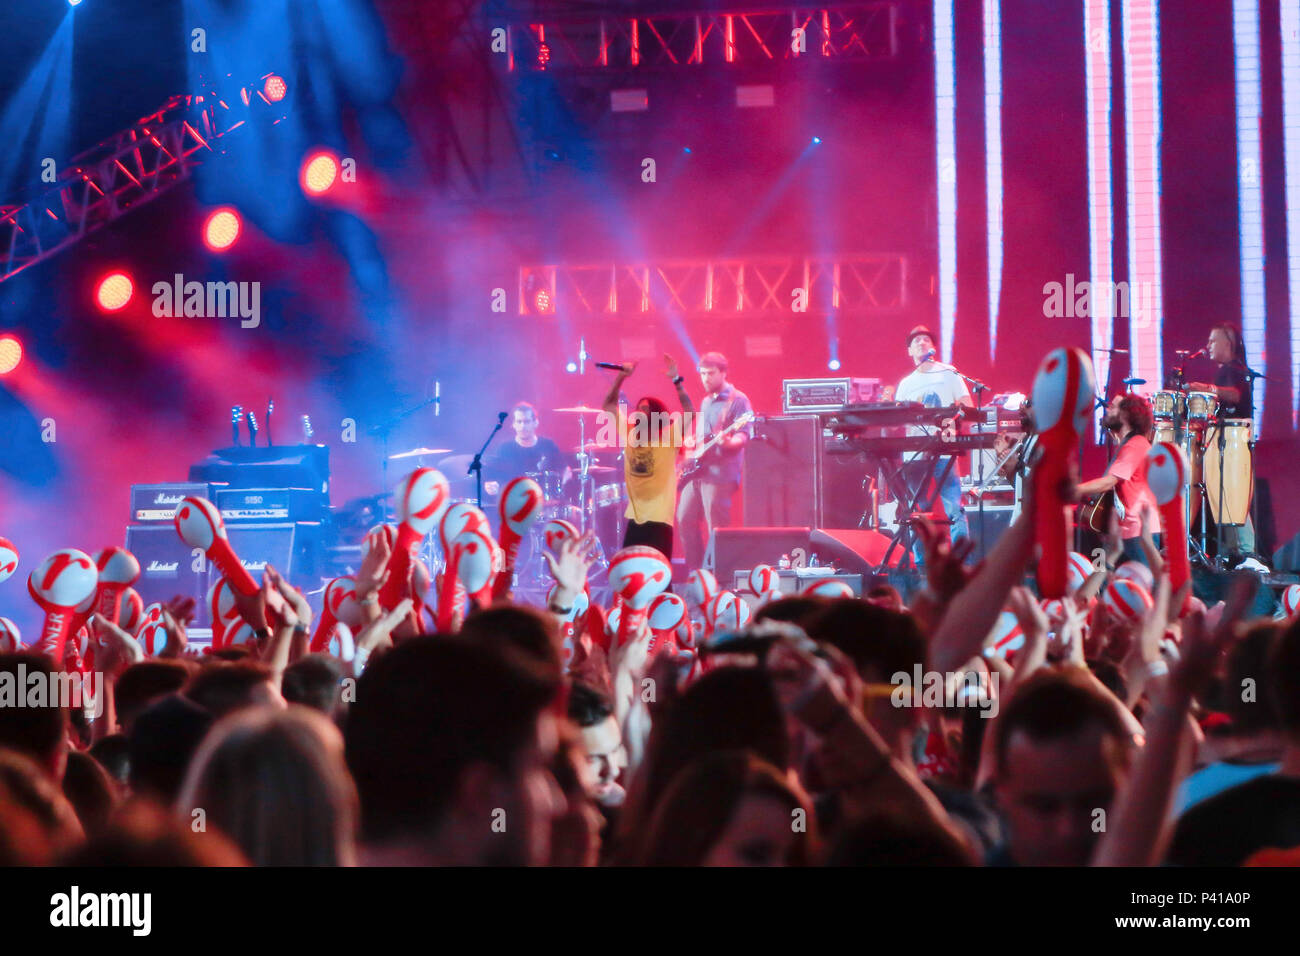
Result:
[{"x": 691, "y": 463}]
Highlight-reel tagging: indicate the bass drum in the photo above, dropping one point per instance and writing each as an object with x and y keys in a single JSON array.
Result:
[{"x": 1229, "y": 471}]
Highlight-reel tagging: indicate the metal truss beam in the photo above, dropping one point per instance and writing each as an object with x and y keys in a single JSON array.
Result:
[
  {"x": 697, "y": 288},
  {"x": 844, "y": 31},
  {"x": 117, "y": 175}
]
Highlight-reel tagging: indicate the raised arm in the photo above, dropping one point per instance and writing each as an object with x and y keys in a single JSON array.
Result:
[{"x": 610, "y": 404}]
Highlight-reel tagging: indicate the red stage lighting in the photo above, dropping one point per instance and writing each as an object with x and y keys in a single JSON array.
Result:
[
  {"x": 222, "y": 229},
  {"x": 114, "y": 291},
  {"x": 11, "y": 353},
  {"x": 319, "y": 173},
  {"x": 275, "y": 88}
]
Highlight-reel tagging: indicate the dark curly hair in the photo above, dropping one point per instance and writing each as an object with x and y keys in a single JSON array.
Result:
[{"x": 1138, "y": 411}]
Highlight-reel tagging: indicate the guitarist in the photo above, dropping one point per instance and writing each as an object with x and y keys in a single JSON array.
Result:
[
  {"x": 651, "y": 439},
  {"x": 1130, "y": 419},
  {"x": 707, "y": 497}
]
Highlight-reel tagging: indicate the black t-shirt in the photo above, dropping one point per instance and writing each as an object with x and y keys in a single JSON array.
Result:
[
  {"x": 1224, "y": 830},
  {"x": 1233, "y": 375},
  {"x": 512, "y": 460}
]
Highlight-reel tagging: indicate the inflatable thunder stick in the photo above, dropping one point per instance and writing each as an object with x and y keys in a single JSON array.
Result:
[
  {"x": 118, "y": 570},
  {"x": 58, "y": 585},
  {"x": 638, "y": 575},
  {"x": 1063, "y": 402},
  {"x": 521, "y": 507},
  {"x": 422, "y": 499},
  {"x": 199, "y": 524},
  {"x": 1167, "y": 471},
  {"x": 8, "y": 558}
]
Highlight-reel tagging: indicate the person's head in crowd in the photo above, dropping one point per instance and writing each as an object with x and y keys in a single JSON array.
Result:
[
  {"x": 114, "y": 755},
  {"x": 522, "y": 628},
  {"x": 1283, "y": 684},
  {"x": 729, "y": 808},
  {"x": 731, "y": 708},
  {"x": 161, "y": 744},
  {"x": 223, "y": 688},
  {"x": 39, "y": 732},
  {"x": 315, "y": 681},
  {"x": 1250, "y": 715},
  {"x": 1062, "y": 752},
  {"x": 885, "y": 839},
  {"x": 885, "y": 595},
  {"x": 142, "y": 684},
  {"x": 1111, "y": 676},
  {"x": 274, "y": 781},
  {"x": 36, "y": 821},
  {"x": 449, "y": 742},
  {"x": 880, "y": 643},
  {"x": 90, "y": 790},
  {"x": 794, "y": 609},
  {"x": 575, "y": 834},
  {"x": 232, "y": 655},
  {"x": 147, "y": 835},
  {"x": 602, "y": 741}
]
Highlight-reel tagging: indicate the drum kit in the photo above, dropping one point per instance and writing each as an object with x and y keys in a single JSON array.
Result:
[
  {"x": 591, "y": 495},
  {"x": 1221, "y": 451}
]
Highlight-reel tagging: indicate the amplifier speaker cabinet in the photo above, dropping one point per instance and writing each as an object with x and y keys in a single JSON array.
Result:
[
  {"x": 293, "y": 548},
  {"x": 986, "y": 531},
  {"x": 168, "y": 567},
  {"x": 733, "y": 548},
  {"x": 782, "y": 486},
  {"x": 157, "y": 503}
]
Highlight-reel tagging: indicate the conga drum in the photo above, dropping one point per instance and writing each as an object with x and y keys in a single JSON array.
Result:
[{"x": 1229, "y": 472}]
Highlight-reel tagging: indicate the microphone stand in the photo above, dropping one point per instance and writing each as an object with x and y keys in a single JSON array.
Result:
[
  {"x": 384, "y": 429},
  {"x": 476, "y": 466}
]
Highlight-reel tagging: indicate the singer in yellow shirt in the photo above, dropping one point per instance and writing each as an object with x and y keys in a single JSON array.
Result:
[{"x": 651, "y": 440}]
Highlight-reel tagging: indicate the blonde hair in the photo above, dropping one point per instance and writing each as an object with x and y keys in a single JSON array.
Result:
[{"x": 275, "y": 782}]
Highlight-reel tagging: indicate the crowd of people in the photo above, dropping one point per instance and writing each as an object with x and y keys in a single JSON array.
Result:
[{"x": 811, "y": 736}]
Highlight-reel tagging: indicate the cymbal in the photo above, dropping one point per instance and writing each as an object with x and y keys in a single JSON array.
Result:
[
  {"x": 595, "y": 446},
  {"x": 600, "y": 469},
  {"x": 417, "y": 452},
  {"x": 580, "y": 410},
  {"x": 455, "y": 465}
]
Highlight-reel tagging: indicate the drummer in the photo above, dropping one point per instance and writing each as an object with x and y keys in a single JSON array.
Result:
[
  {"x": 528, "y": 453},
  {"x": 1231, "y": 383},
  {"x": 1232, "y": 386}
]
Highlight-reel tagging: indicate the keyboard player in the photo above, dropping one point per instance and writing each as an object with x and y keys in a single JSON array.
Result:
[{"x": 935, "y": 385}]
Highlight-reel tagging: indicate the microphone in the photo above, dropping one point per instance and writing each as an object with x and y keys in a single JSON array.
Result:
[
  {"x": 1198, "y": 353},
  {"x": 501, "y": 418},
  {"x": 612, "y": 366},
  {"x": 927, "y": 356}
]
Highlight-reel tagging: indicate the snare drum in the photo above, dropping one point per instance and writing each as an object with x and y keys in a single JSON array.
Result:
[
  {"x": 1167, "y": 405},
  {"x": 550, "y": 481},
  {"x": 1229, "y": 472},
  {"x": 1202, "y": 407}
]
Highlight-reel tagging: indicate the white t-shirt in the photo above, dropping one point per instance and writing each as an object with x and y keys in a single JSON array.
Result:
[{"x": 940, "y": 387}]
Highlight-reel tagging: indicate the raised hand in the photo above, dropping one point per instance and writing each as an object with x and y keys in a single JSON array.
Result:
[
  {"x": 670, "y": 367},
  {"x": 374, "y": 566},
  {"x": 576, "y": 556},
  {"x": 301, "y": 609}
]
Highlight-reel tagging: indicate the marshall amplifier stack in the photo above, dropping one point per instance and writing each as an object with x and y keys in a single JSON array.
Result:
[{"x": 273, "y": 502}]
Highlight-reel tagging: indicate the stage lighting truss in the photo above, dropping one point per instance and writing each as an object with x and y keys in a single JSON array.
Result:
[
  {"x": 843, "y": 31},
  {"x": 740, "y": 287},
  {"x": 119, "y": 174}
]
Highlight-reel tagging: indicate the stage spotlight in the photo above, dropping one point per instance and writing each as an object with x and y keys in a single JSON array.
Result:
[
  {"x": 817, "y": 141},
  {"x": 275, "y": 88},
  {"x": 319, "y": 173},
  {"x": 542, "y": 301},
  {"x": 73, "y": 3},
  {"x": 833, "y": 365},
  {"x": 114, "y": 291},
  {"x": 686, "y": 149},
  {"x": 11, "y": 353},
  {"x": 571, "y": 367},
  {"x": 222, "y": 229}
]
